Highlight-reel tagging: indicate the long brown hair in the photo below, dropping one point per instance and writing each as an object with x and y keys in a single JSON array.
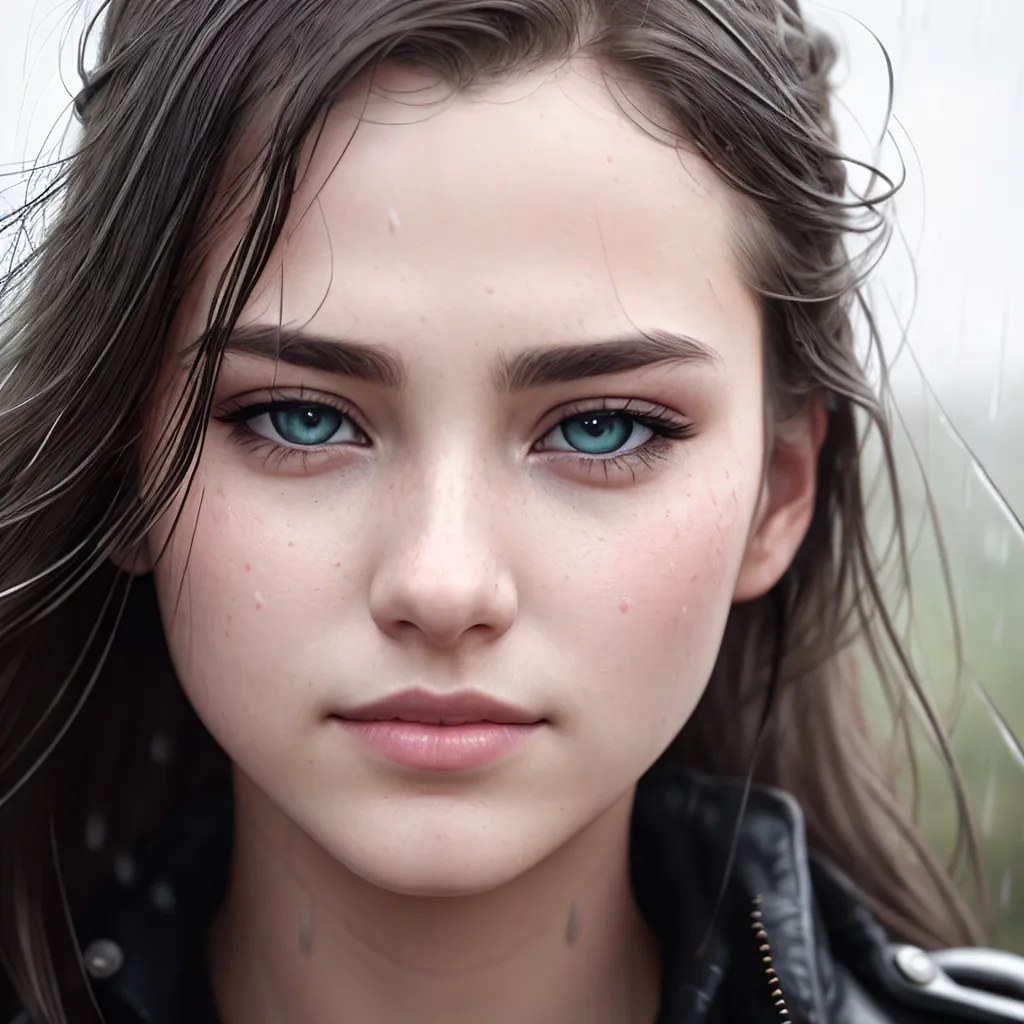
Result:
[{"x": 97, "y": 743}]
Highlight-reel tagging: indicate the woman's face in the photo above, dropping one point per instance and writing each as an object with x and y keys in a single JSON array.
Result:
[{"x": 512, "y": 448}]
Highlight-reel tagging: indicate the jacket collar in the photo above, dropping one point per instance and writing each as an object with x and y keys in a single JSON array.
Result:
[{"x": 146, "y": 947}]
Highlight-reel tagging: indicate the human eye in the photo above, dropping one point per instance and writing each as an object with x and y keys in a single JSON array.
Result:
[
  {"x": 283, "y": 428},
  {"x": 617, "y": 435}
]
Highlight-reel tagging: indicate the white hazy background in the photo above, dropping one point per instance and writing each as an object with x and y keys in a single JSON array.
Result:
[{"x": 958, "y": 380}]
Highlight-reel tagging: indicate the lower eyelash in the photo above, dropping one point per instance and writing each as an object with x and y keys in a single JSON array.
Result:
[
  {"x": 273, "y": 453},
  {"x": 658, "y": 447}
]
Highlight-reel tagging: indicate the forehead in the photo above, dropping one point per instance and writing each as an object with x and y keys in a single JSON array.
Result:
[{"x": 522, "y": 209}]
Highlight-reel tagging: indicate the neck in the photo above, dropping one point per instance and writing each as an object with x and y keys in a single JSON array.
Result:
[{"x": 300, "y": 938}]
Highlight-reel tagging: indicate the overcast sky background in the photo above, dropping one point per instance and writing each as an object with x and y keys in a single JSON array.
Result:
[{"x": 959, "y": 106}]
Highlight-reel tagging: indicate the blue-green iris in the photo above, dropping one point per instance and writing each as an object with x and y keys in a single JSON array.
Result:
[
  {"x": 597, "y": 433},
  {"x": 307, "y": 424}
]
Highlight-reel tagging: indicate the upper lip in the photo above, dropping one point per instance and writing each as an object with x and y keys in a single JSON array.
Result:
[{"x": 440, "y": 709}]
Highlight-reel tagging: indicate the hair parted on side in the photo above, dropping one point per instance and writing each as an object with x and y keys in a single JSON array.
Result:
[{"x": 198, "y": 110}]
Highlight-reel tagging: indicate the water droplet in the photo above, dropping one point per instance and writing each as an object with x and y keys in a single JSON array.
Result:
[
  {"x": 996, "y": 546},
  {"x": 999, "y": 626},
  {"x": 160, "y": 749},
  {"x": 394, "y": 224},
  {"x": 572, "y": 926},
  {"x": 258, "y": 598},
  {"x": 161, "y": 895},
  {"x": 124, "y": 869},
  {"x": 1005, "y": 889},
  {"x": 95, "y": 832},
  {"x": 988, "y": 811},
  {"x": 103, "y": 958},
  {"x": 306, "y": 931}
]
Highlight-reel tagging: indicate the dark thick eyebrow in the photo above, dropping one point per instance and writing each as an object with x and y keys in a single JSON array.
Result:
[
  {"x": 372, "y": 363},
  {"x": 523, "y": 371},
  {"x": 563, "y": 363}
]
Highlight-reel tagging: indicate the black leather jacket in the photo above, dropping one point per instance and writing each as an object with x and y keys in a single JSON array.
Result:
[{"x": 830, "y": 962}]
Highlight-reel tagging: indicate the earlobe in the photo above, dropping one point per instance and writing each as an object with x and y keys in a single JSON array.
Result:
[{"x": 788, "y": 503}]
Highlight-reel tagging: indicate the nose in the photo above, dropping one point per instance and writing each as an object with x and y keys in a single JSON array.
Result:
[{"x": 441, "y": 578}]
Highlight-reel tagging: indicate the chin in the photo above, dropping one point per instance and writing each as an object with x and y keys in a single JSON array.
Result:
[{"x": 441, "y": 855}]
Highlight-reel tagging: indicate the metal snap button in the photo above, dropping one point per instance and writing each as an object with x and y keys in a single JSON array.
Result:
[
  {"x": 916, "y": 965},
  {"x": 103, "y": 958}
]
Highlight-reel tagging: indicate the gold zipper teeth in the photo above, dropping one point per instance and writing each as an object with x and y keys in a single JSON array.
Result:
[{"x": 765, "y": 949}]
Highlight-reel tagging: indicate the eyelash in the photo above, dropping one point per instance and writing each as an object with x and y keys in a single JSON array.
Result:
[{"x": 666, "y": 428}]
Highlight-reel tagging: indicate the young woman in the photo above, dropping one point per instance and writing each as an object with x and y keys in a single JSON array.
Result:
[{"x": 429, "y": 498}]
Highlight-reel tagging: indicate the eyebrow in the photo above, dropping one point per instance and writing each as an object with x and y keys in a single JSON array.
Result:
[{"x": 533, "y": 368}]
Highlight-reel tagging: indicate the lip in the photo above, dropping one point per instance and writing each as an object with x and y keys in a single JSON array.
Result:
[
  {"x": 440, "y": 709},
  {"x": 439, "y": 732}
]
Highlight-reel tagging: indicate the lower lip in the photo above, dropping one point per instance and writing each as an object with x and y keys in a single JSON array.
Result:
[{"x": 440, "y": 748}]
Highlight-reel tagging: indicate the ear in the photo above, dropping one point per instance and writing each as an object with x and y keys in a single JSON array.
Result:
[{"x": 787, "y": 501}]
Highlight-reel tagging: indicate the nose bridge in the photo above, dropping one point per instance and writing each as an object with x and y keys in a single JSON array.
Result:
[
  {"x": 442, "y": 569},
  {"x": 445, "y": 509}
]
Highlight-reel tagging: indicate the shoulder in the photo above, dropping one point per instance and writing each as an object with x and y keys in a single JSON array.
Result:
[
  {"x": 882, "y": 981},
  {"x": 829, "y": 960}
]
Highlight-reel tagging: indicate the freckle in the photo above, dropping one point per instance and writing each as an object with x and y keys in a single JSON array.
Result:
[
  {"x": 489, "y": 290},
  {"x": 624, "y": 605},
  {"x": 258, "y": 597},
  {"x": 609, "y": 158},
  {"x": 291, "y": 543}
]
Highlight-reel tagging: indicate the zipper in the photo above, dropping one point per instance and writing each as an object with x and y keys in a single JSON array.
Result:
[{"x": 765, "y": 949}]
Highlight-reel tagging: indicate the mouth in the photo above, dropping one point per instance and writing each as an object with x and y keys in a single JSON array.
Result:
[
  {"x": 428, "y": 708},
  {"x": 439, "y": 732}
]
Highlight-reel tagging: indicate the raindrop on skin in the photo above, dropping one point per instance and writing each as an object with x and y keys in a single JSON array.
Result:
[
  {"x": 394, "y": 224},
  {"x": 572, "y": 926},
  {"x": 258, "y": 598},
  {"x": 306, "y": 931}
]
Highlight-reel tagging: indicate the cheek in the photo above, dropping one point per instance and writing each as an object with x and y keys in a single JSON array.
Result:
[
  {"x": 240, "y": 582},
  {"x": 646, "y": 604}
]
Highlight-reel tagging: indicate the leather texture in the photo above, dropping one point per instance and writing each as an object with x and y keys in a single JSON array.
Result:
[{"x": 830, "y": 961}]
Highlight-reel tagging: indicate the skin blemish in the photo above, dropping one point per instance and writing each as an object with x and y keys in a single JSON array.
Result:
[
  {"x": 624, "y": 605},
  {"x": 489, "y": 289},
  {"x": 572, "y": 926},
  {"x": 258, "y": 598},
  {"x": 336, "y": 565},
  {"x": 248, "y": 567}
]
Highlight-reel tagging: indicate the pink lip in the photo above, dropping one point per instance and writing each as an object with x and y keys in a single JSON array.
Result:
[{"x": 439, "y": 732}]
